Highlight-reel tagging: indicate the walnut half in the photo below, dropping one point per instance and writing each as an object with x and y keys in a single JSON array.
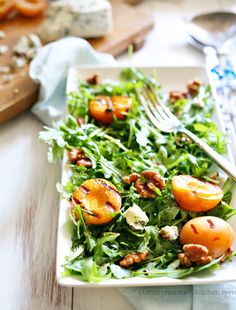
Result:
[
  {"x": 146, "y": 189},
  {"x": 194, "y": 254},
  {"x": 193, "y": 87},
  {"x": 77, "y": 156},
  {"x": 176, "y": 95},
  {"x": 93, "y": 80},
  {"x": 153, "y": 180},
  {"x": 133, "y": 177},
  {"x": 133, "y": 258}
]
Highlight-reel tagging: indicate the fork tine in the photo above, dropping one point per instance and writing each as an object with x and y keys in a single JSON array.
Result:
[
  {"x": 155, "y": 107},
  {"x": 151, "y": 107},
  {"x": 163, "y": 106},
  {"x": 149, "y": 114},
  {"x": 157, "y": 112},
  {"x": 165, "y": 111}
]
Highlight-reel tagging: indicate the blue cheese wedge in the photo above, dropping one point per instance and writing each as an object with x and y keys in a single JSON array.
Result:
[
  {"x": 136, "y": 217},
  {"x": 81, "y": 18}
]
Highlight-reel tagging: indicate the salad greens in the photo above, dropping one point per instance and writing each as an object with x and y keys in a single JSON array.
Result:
[{"x": 124, "y": 147}]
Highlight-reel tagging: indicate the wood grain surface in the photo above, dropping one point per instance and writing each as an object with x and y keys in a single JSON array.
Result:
[{"x": 21, "y": 93}]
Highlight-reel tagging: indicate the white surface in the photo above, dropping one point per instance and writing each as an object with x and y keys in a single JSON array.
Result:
[
  {"x": 170, "y": 78},
  {"x": 29, "y": 202}
]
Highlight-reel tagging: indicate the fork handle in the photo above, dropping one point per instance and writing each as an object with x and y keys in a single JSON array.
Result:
[{"x": 223, "y": 163}]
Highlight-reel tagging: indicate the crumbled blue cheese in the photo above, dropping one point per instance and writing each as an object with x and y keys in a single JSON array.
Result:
[
  {"x": 6, "y": 78},
  {"x": 169, "y": 232},
  {"x": 82, "y": 18},
  {"x": 136, "y": 217},
  {"x": 27, "y": 46},
  {"x": 3, "y": 49},
  {"x": 18, "y": 62},
  {"x": 5, "y": 69},
  {"x": 25, "y": 50}
]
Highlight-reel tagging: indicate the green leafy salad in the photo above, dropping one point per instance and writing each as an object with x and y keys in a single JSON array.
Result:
[{"x": 137, "y": 195}]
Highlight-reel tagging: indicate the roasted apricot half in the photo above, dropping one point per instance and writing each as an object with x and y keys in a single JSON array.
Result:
[
  {"x": 99, "y": 201},
  {"x": 31, "y": 8},
  {"x": 195, "y": 195},
  {"x": 209, "y": 231},
  {"x": 101, "y": 109},
  {"x": 104, "y": 108},
  {"x": 6, "y": 7},
  {"x": 122, "y": 105}
]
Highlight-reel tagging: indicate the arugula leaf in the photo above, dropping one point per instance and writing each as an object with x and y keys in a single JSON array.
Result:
[
  {"x": 89, "y": 270},
  {"x": 75, "y": 254},
  {"x": 227, "y": 189},
  {"x": 100, "y": 248},
  {"x": 173, "y": 270},
  {"x": 167, "y": 215},
  {"x": 89, "y": 240},
  {"x": 119, "y": 272},
  {"x": 223, "y": 210}
]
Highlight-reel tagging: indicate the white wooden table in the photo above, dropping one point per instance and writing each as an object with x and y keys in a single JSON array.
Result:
[{"x": 28, "y": 199}]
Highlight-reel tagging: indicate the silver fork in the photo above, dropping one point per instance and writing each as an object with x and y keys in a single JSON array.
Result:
[{"x": 163, "y": 119}]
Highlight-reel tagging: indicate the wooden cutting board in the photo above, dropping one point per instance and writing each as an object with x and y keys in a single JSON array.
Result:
[{"x": 17, "y": 95}]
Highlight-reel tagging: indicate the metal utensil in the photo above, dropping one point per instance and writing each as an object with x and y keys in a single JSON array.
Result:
[
  {"x": 214, "y": 33},
  {"x": 214, "y": 29},
  {"x": 163, "y": 119}
]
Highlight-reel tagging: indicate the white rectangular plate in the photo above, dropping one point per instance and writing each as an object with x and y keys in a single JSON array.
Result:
[{"x": 171, "y": 78}]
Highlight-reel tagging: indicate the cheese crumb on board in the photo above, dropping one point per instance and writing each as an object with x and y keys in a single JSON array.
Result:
[
  {"x": 25, "y": 50},
  {"x": 5, "y": 69},
  {"x": 3, "y": 49},
  {"x": 6, "y": 78},
  {"x": 81, "y": 18},
  {"x": 18, "y": 62},
  {"x": 27, "y": 46}
]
